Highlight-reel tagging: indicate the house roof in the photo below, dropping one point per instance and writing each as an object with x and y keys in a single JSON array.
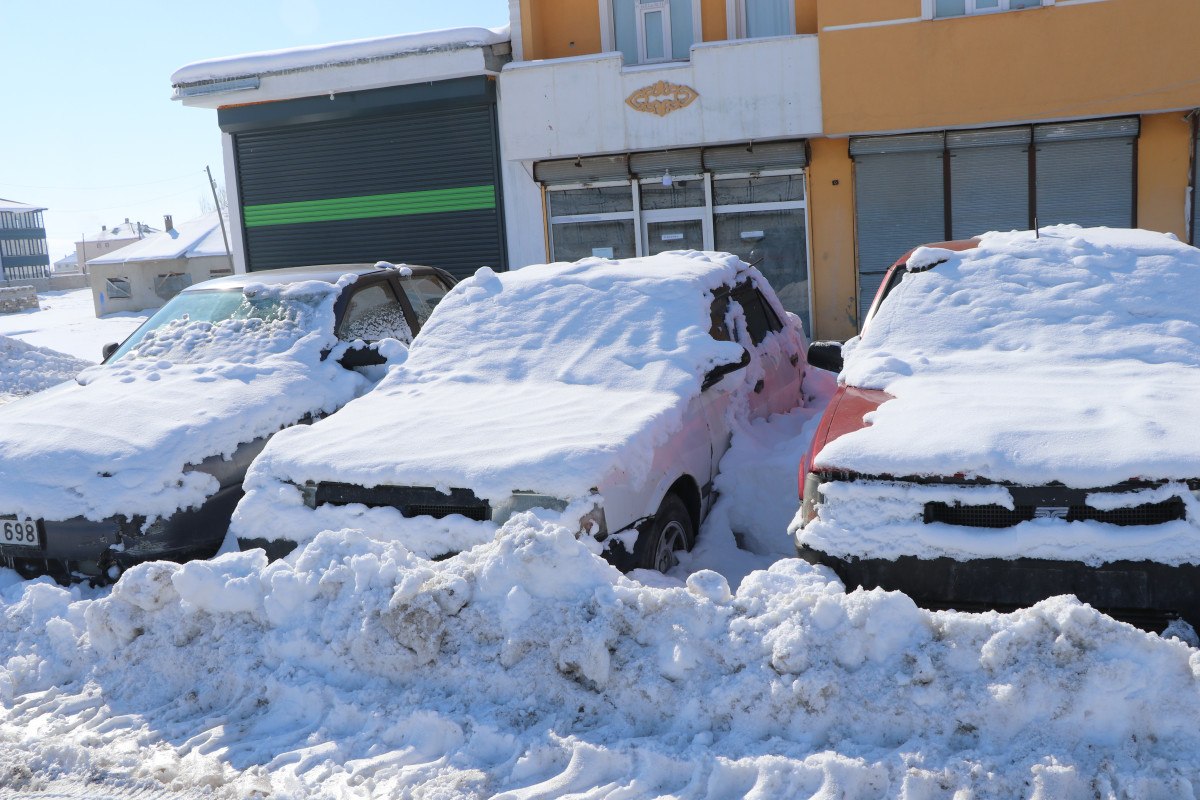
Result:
[
  {"x": 13, "y": 205},
  {"x": 125, "y": 230},
  {"x": 192, "y": 239},
  {"x": 336, "y": 53}
]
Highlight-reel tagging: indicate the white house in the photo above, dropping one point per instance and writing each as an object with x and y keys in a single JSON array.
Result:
[{"x": 149, "y": 272}]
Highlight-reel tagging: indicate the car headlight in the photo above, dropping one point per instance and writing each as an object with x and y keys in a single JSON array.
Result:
[{"x": 525, "y": 501}]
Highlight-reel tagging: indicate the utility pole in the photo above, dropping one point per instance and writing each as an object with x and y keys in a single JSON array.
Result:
[{"x": 220, "y": 217}]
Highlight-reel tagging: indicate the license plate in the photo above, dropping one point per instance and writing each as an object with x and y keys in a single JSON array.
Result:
[{"x": 20, "y": 532}]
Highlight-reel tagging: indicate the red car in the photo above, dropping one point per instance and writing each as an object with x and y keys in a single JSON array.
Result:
[{"x": 1007, "y": 460}]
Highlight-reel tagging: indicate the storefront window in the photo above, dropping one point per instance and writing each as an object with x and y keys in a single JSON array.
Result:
[
  {"x": 598, "y": 200},
  {"x": 680, "y": 194},
  {"x": 775, "y": 242},
  {"x": 611, "y": 239}
]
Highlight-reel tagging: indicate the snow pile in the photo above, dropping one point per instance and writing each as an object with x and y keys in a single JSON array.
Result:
[
  {"x": 337, "y": 53},
  {"x": 1075, "y": 353},
  {"x": 25, "y": 369},
  {"x": 119, "y": 438},
  {"x": 67, "y": 323},
  {"x": 552, "y": 378},
  {"x": 529, "y": 666}
]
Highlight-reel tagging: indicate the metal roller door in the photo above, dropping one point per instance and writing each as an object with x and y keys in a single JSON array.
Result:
[
  {"x": 416, "y": 186},
  {"x": 1085, "y": 173},
  {"x": 989, "y": 176},
  {"x": 898, "y": 191}
]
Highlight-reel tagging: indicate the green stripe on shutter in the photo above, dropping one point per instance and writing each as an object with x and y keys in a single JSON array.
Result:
[{"x": 430, "y": 201}]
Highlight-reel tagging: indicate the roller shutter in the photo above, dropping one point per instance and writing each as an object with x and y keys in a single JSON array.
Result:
[
  {"x": 898, "y": 191},
  {"x": 1085, "y": 172},
  {"x": 418, "y": 186},
  {"x": 989, "y": 176}
]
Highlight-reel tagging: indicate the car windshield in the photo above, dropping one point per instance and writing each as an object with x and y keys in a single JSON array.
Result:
[{"x": 239, "y": 314}]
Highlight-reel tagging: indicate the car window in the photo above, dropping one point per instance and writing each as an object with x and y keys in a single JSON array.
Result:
[
  {"x": 761, "y": 319},
  {"x": 374, "y": 313},
  {"x": 424, "y": 292},
  {"x": 719, "y": 313}
]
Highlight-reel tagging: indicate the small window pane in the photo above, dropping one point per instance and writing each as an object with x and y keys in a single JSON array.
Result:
[
  {"x": 680, "y": 194},
  {"x": 987, "y": 5},
  {"x": 576, "y": 240},
  {"x": 117, "y": 288},
  {"x": 424, "y": 293},
  {"x": 663, "y": 237},
  {"x": 768, "y": 18},
  {"x": 738, "y": 191},
  {"x": 374, "y": 313},
  {"x": 603, "y": 200},
  {"x": 1015, "y": 4},
  {"x": 653, "y": 22},
  {"x": 949, "y": 8}
]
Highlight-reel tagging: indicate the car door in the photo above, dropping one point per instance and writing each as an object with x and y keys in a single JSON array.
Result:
[
  {"x": 777, "y": 386},
  {"x": 714, "y": 402}
]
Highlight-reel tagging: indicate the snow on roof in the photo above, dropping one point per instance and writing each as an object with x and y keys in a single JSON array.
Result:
[
  {"x": 124, "y": 230},
  {"x": 297, "y": 58},
  {"x": 192, "y": 239},
  {"x": 19, "y": 208},
  {"x": 1077, "y": 353}
]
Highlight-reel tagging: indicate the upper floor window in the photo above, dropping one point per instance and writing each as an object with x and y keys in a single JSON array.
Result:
[
  {"x": 753, "y": 19},
  {"x": 958, "y": 8},
  {"x": 652, "y": 31}
]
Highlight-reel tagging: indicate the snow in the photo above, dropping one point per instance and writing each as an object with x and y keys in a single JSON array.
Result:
[
  {"x": 553, "y": 379},
  {"x": 18, "y": 208},
  {"x": 67, "y": 323},
  {"x": 528, "y": 668},
  {"x": 1074, "y": 352},
  {"x": 195, "y": 238},
  {"x": 337, "y": 53},
  {"x": 25, "y": 369},
  {"x": 117, "y": 440}
]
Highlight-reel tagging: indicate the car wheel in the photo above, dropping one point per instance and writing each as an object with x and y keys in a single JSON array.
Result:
[{"x": 667, "y": 533}]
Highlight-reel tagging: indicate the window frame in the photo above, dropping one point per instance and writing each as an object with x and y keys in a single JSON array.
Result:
[
  {"x": 738, "y": 25},
  {"x": 929, "y": 8},
  {"x": 608, "y": 33}
]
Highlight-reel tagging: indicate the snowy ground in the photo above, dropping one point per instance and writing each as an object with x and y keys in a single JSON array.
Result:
[
  {"x": 528, "y": 668},
  {"x": 67, "y": 323}
]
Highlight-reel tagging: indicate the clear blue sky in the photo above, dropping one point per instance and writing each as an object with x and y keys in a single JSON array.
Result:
[{"x": 88, "y": 127}]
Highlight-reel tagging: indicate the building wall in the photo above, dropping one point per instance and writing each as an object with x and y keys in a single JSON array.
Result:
[
  {"x": 141, "y": 276},
  {"x": 1055, "y": 62},
  {"x": 88, "y": 249},
  {"x": 831, "y": 236},
  {"x": 1164, "y": 164}
]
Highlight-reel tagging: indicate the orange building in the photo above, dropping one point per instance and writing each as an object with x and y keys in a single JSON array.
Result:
[{"x": 825, "y": 137}]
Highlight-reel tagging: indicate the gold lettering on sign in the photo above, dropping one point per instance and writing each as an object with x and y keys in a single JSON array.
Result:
[{"x": 662, "y": 98}]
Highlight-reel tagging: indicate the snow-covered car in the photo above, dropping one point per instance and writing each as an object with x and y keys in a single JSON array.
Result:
[
  {"x": 1015, "y": 422},
  {"x": 142, "y": 457},
  {"x": 601, "y": 390}
]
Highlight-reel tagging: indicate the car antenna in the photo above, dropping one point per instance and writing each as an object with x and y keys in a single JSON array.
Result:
[{"x": 1037, "y": 234}]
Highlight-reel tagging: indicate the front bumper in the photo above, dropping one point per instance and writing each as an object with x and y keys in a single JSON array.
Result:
[
  {"x": 1145, "y": 593},
  {"x": 82, "y": 548}
]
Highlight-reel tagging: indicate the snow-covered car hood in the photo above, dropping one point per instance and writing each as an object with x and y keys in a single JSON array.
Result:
[
  {"x": 547, "y": 379},
  {"x": 117, "y": 440},
  {"x": 1073, "y": 357}
]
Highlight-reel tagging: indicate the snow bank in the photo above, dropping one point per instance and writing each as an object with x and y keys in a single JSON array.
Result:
[
  {"x": 25, "y": 369},
  {"x": 337, "y": 53},
  {"x": 118, "y": 439},
  {"x": 550, "y": 378},
  {"x": 1076, "y": 354},
  {"x": 529, "y": 668},
  {"x": 67, "y": 323}
]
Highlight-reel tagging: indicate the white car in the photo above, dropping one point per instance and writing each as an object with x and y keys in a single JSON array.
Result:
[
  {"x": 142, "y": 457},
  {"x": 603, "y": 390}
]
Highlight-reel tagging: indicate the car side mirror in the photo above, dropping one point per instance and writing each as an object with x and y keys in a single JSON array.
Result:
[
  {"x": 368, "y": 356},
  {"x": 108, "y": 350},
  {"x": 714, "y": 375},
  {"x": 826, "y": 355}
]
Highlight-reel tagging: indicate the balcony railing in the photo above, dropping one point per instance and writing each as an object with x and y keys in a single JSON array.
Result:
[{"x": 26, "y": 273}]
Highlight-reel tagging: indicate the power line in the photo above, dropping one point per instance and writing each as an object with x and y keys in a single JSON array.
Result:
[{"x": 98, "y": 188}]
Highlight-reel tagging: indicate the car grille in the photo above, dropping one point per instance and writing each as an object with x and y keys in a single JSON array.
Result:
[
  {"x": 411, "y": 501},
  {"x": 993, "y": 516}
]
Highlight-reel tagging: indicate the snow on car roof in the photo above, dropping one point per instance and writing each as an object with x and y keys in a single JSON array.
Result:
[
  {"x": 1075, "y": 352},
  {"x": 547, "y": 378},
  {"x": 328, "y": 273}
]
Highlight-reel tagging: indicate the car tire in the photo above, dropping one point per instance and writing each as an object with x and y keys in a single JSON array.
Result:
[{"x": 669, "y": 531}]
